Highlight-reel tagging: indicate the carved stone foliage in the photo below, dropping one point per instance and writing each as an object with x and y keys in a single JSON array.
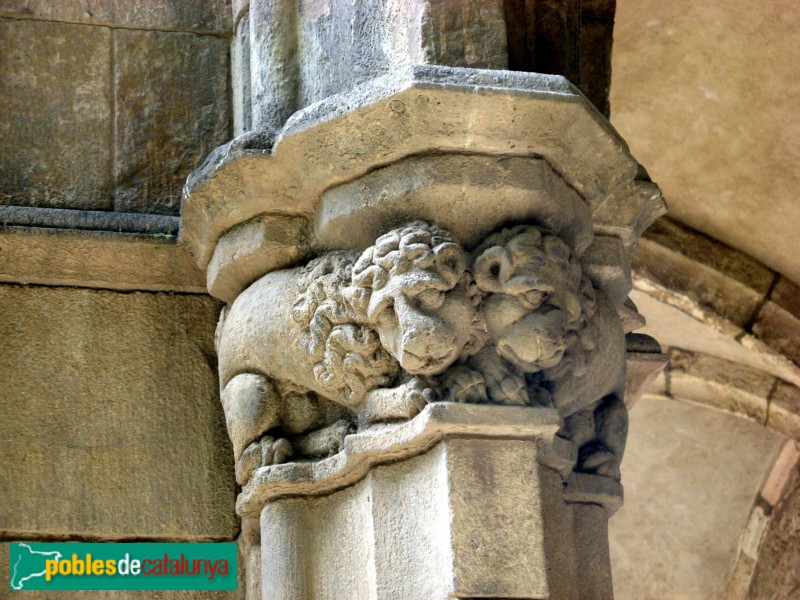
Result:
[{"x": 311, "y": 354}]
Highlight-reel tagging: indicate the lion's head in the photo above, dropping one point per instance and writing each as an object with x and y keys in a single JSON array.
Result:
[
  {"x": 415, "y": 292},
  {"x": 404, "y": 303},
  {"x": 538, "y": 301}
]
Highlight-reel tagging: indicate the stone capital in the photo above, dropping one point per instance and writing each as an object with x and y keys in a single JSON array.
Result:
[
  {"x": 423, "y": 360},
  {"x": 433, "y": 142}
]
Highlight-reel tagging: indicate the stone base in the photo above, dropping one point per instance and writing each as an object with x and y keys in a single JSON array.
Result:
[{"x": 459, "y": 514}]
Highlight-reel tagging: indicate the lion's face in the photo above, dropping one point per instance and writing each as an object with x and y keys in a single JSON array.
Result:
[
  {"x": 418, "y": 304},
  {"x": 532, "y": 304},
  {"x": 423, "y": 321}
]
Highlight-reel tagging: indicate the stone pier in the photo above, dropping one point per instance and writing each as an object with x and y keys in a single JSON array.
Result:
[{"x": 428, "y": 346}]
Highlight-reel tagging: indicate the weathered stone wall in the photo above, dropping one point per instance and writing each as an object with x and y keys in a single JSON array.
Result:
[
  {"x": 689, "y": 486},
  {"x": 113, "y": 104},
  {"x": 111, "y": 422}
]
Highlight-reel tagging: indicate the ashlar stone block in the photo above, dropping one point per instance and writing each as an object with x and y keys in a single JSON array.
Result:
[
  {"x": 778, "y": 321},
  {"x": 178, "y": 15},
  {"x": 207, "y": 16},
  {"x": 784, "y": 410},
  {"x": 172, "y": 109},
  {"x": 741, "y": 390},
  {"x": 112, "y": 426},
  {"x": 55, "y": 98}
]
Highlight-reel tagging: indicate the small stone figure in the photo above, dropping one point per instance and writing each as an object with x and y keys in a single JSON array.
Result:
[{"x": 547, "y": 323}]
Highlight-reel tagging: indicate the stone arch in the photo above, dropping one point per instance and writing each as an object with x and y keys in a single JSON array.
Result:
[{"x": 732, "y": 326}]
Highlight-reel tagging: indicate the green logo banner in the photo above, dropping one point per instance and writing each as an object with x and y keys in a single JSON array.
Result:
[{"x": 124, "y": 566}]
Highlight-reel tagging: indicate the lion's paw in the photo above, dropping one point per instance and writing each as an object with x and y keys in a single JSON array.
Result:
[
  {"x": 465, "y": 385},
  {"x": 404, "y": 402},
  {"x": 275, "y": 451},
  {"x": 248, "y": 462},
  {"x": 262, "y": 453},
  {"x": 510, "y": 389},
  {"x": 416, "y": 395}
]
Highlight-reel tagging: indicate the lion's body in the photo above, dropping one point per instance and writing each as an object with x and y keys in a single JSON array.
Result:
[
  {"x": 334, "y": 331},
  {"x": 602, "y": 370},
  {"x": 259, "y": 335}
]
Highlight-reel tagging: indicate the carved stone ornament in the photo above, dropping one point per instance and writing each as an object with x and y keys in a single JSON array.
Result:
[
  {"x": 425, "y": 351},
  {"x": 416, "y": 318}
]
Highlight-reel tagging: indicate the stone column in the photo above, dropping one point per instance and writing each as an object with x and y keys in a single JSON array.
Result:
[
  {"x": 454, "y": 503},
  {"x": 424, "y": 355}
]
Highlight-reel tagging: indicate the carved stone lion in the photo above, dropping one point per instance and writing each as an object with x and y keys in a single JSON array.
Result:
[
  {"x": 554, "y": 340},
  {"x": 365, "y": 326},
  {"x": 414, "y": 319}
]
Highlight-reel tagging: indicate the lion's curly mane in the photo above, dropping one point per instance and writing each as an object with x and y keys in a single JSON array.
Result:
[
  {"x": 349, "y": 358},
  {"x": 334, "y": 295}
]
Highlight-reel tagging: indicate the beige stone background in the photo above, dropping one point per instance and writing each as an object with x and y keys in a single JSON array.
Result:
[
  {"x": 707, "y": 94},
  {"x": 110, "y": 423}
]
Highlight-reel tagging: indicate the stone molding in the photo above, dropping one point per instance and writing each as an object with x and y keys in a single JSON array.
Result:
[
  {"x": 426, "y": 110},
  {"x": 732, "y": 323},
  {"x": 463, "y": 492},
  {"x": 729, "y": 291},
  {"x": 89, "y": 220},
  {"x": 97, "y": 259},
  {"x": 395, "y": 442},
  {"x": 732, "y": 387}
]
